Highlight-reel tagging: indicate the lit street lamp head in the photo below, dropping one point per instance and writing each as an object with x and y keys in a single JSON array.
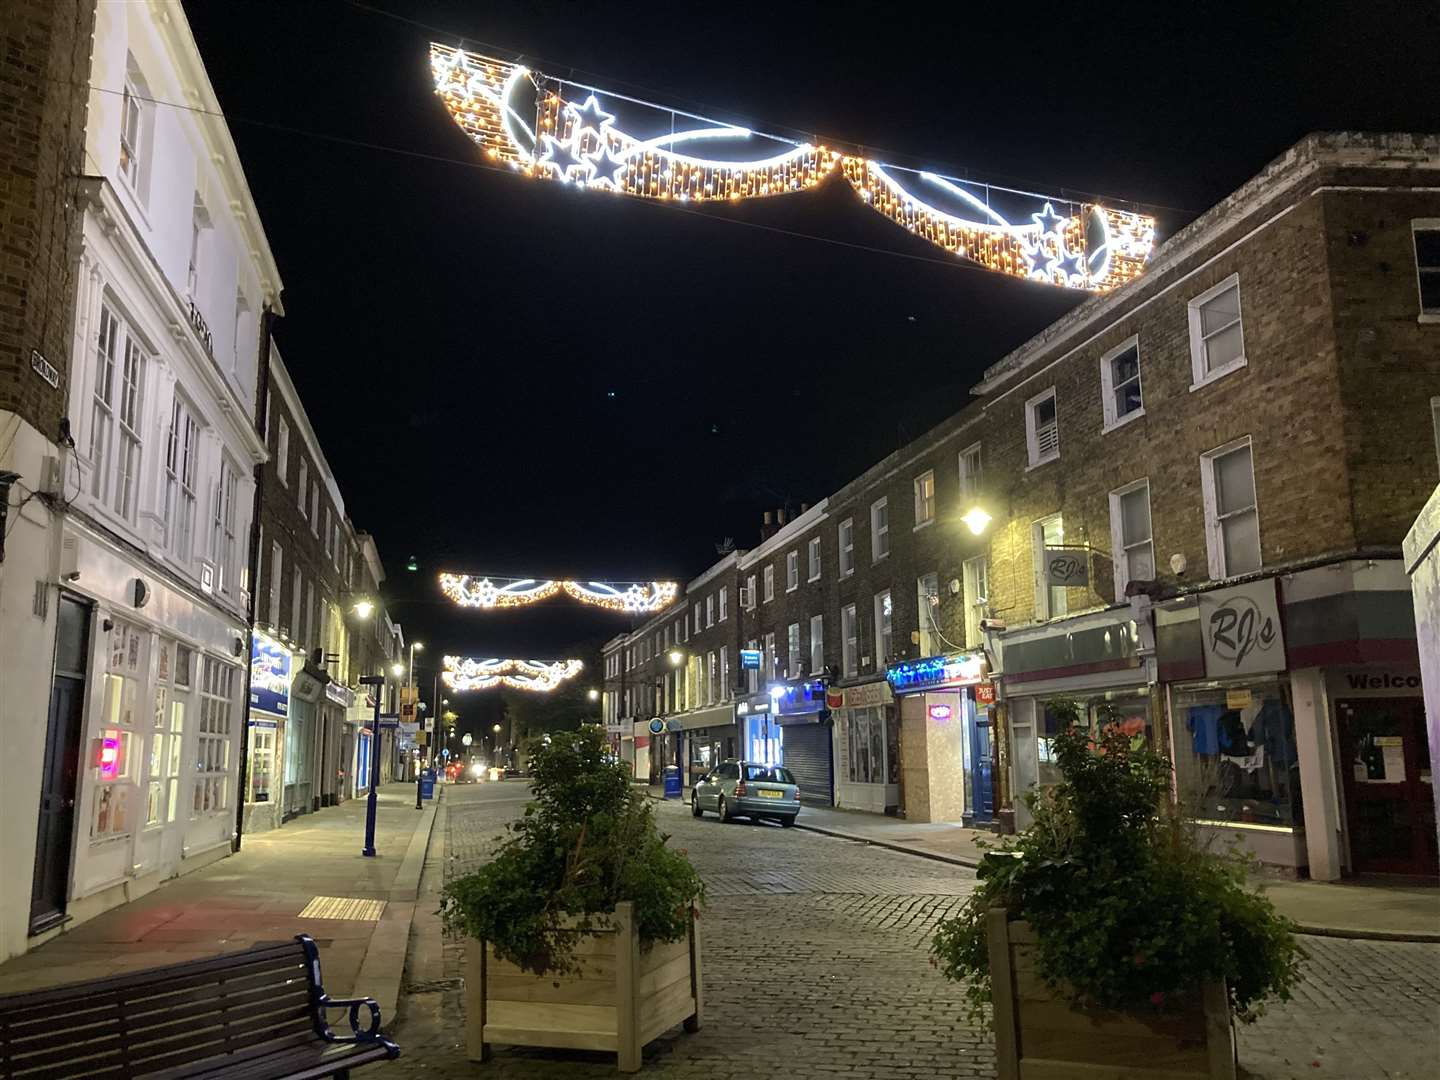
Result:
[
  {"x": 976, "y": 520},
  {"x": 593, "y": 695},
  {"x": 363, "y": 608},
  {"x": 397, "y": 669},
  {"x": 676, "y": 656}
]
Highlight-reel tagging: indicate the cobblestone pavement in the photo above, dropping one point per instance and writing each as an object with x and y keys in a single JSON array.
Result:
[{"x": 816, "y": 966}]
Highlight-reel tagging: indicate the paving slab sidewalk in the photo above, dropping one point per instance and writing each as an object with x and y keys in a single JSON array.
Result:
[
  {"x": 257, "y": 895},
  {"x": 1363, "y": 908}
]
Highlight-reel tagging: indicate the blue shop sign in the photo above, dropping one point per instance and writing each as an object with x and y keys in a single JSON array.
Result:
[
  {"x": 801, "y": 697},
  {"x": 957, "y": 669},
  {"x": 269, "y": 675},
  {"x": 750, "y": 659}
]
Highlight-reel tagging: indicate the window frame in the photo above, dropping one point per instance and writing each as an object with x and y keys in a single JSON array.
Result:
[
  {"x": 1214, "y": 531},
  {"x": 792, "y": 570},
  {"x": 849, "y": 641},
  {"x": 182, "y": 455},
  {"x": 753, "y": 590},
  {"x": 1033, "y": 455},
  {"x": 767, "y": 575},
  {"x": 1045, "y": 606},
  {"x": 846, "y": 550},
  {"x": 882, "y": 503},
  {"x": 974, "y": 606},
  {"x": 792, "y": 650},
  {"x": 282, "y": 449},
  {"x": 886, "y": 642},
  {"x": 814, "y": 565},
  {"x": 1107, "y": 385},
  {"x": 1193, "y": 307},
  {"x": 724, "y": 603},
  {"x": 1419, "y": 225},
  {"x": 924, "y": 503},
  {"x": 302, "y": 482},
  {"x": 969, "y": 484},
  {"x": 1120, "y": 551},
  {"x": 817, "y": 644},
  {"x": 132, "y": 100}
]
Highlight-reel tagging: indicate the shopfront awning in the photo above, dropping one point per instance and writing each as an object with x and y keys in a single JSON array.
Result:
[{"x": 718, "y": 716}]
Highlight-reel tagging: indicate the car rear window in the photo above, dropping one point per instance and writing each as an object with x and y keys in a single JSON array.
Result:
[{"x": 768, "y": 774}]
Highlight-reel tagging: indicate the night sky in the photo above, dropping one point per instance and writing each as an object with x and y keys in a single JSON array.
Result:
[{"x": 456, "y": 332}]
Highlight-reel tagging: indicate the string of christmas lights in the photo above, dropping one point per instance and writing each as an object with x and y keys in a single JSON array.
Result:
[
  {"x": 467, "y": 673},
  {"x": 484, "y": 592},
  {"x": 556, "y": 129}
]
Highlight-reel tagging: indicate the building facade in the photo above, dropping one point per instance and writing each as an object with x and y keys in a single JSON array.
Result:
[
  {"x": 1179, "y": 509},
  {"x": 126, "y": 580}
]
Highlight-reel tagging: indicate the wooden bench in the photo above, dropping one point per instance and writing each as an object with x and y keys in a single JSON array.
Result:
[{"x": 259, "y": 1014}]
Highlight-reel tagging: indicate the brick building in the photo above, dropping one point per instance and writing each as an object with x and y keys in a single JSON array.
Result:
[
  {"x": 319, "y": 626},
  {"x": 1178, "y": 508}
]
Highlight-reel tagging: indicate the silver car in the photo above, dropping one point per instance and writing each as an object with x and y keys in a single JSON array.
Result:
[{"x": 747, "y": 789}]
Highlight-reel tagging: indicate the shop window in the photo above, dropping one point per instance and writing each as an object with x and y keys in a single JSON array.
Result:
[
  {"x": 1235, "y": 756},
  {"x": 261, "y": 774},
  {"x": 114, "y": 771},
  {"x": 865, "y": 746},
  {"x": 1127, "y": 710},
  {"x": 212, "y": 756}
]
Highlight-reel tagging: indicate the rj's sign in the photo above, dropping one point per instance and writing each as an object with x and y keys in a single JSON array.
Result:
[{"x": 1240, "y": 630}]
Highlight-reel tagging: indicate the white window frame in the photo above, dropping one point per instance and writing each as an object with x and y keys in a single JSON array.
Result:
[
  {"x": 792, "y": 650},
  {"x": 1120, "y": 551},
  {"x": 812, "y": 558},
  {"x": 884, "y": 642},
  {"x": 1198, "y": 373},
  {"x": 282, "y": 451},
  {"x": 1107, "y": 385},
  {"x": 817, "y": 644},
  {"x": 709, "y": 611},
  {"x": 1214, "y": 537},
  {"x": 924, "y": 503},
  {"x": 1046, "y": 607},
  {"x": 1035, "y": 456},
  {"x": 215, "y": 738},
  {"x": 849, "y": 641},
  {"x": 133, "y": 104},
  {"x": 315, "y": 507},
  {"x": 302, "y": 483},
  {"x": 925, "y": 622},
  {"x": 750, "y": 590},
  {"x": 1419, "y": 225},
  {"x": 768, "y": 573},
  {"x": 845, "y": 540},
  {"x": 792, "y": 571},
  {"x": 277, "y": 564},
  {"x": 182, "y": 455},
  {"x": 724, "y": 602},
  {"x": 977, "y": 599},
  {"x": 970, "y": 481},
  {"x": 877, "y": 534}
]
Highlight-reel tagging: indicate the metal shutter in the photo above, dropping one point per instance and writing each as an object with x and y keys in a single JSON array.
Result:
[{"x": 807, "y": 754}]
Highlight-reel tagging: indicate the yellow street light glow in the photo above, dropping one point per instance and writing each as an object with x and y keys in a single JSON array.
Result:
[
  {"x": 593, "y": 695},
  {"x": 675, "y": 657},
  {"x": 397, "y": 669},
  {"x": 976, "y": 520},
  {"x": 364, "y": 608},
  {"x": 418, "y": 646}
]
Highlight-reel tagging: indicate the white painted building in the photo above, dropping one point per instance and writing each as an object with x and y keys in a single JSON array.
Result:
[{"x": 124, "y": 682}]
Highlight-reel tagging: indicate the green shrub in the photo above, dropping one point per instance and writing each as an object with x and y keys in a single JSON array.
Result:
[
  {"x": 1130, "y": 911},
  {"x": 587, "y": 842}
]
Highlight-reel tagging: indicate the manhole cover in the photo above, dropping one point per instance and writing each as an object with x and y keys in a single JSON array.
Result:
[{"x": 343, "y": 907}]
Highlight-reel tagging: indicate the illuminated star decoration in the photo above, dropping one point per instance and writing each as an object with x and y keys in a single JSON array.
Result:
[
  {"x": 550, "y": 128},
  {"x": 466, "y": 673},
  {"x": 484, "y": 592}
]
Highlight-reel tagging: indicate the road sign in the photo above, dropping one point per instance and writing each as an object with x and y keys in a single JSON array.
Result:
[
  {"x": 389, "y": 720},
  {"x": 750, "y": 659}
]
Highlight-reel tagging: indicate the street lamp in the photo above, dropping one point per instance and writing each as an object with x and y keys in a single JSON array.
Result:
[
  {"x": 976, "y": 520},
  {"x": 397, "y": 669},
  {"x": 363, "y": 608},
  {"x": 676, "y": 657},
  {"x": 415, "y": 646},
  {"x": 593, "y": 695}
]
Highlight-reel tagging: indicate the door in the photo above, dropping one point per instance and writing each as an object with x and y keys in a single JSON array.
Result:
[
  {"x": 1389, "y": 804},
  {"x": 55, "y": 827},
  {"x": 805, "y": 751},
  {"x": 981, "y": 767}
]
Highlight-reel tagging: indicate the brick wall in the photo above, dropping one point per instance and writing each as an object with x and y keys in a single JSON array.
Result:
[
  {"x": 44, "y": 68},
  {"x": 1389, "y": 360}
]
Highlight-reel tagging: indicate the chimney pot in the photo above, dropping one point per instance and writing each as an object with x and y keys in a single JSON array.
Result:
[
  {"x": 767, "y": 517},
  {"x": 804, "y": 507},
  {"x": 780, "y": 517}
]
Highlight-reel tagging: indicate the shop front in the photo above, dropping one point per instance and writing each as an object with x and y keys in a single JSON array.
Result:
[
  {"x": 271, "y": 665},
  {"x": 1297, "y": 719},
  {"x": 702, "y": 739},
  {"x": 938, "y": 732},
  {"x": 339, "y": 743},
  {"x": 759, "y": 733},
  {"x": 806, "y": 736},
  {"x": 866, "y": 726},
  {"x": 1093, "y": 664},
  {"x": 302, "y": 734}
]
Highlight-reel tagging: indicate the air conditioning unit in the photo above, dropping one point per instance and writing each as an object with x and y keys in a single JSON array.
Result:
[{"x": 747, "y": 597}]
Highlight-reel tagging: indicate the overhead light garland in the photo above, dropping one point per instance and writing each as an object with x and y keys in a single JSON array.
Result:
[
  {"x": 484, "y": 592},
  {"x": 558, "y": 129},
  {"x": 466, "y": 673}
]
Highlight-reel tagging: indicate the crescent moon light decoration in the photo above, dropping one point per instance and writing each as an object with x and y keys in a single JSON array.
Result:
[
  {"x": 466, "y": 673},
  {"x": 557, "y": 129}
]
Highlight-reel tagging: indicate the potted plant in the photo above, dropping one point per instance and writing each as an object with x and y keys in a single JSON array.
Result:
[
  {"x": 1107, "y": 939},
  {"x": 582, "y": 926}
]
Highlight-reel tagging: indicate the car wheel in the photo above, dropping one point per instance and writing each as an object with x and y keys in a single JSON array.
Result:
[
  {"x": 695, "y": 804},
  {"x": 723, "y": 809},
  {"x": 788, "y": 822}
]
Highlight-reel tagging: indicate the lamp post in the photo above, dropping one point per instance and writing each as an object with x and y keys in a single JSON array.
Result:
[
  {"x": 495, "y": 743},
  {"x": 377, "y": 681}
]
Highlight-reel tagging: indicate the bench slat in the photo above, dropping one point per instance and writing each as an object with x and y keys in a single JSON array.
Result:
[
  {"x": 41, "y": 1006},
  {"x": 303, "y": 1063}
]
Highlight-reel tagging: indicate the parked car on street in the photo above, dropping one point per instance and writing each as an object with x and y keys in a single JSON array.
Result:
[{"x": 748, "y": 789}]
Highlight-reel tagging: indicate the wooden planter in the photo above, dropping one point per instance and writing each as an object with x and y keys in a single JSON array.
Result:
[
  {"x": 624, "y": 996},
  {"x": 1039, "y": 1035}
]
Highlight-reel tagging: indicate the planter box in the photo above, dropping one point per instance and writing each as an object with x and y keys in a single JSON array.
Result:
[
  {"x": 1040, "y": 1035},
  {"x": 624, "y": 996}
]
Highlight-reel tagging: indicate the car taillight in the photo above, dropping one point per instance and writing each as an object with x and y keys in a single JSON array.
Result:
[{"x": 740, "y": 789}]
